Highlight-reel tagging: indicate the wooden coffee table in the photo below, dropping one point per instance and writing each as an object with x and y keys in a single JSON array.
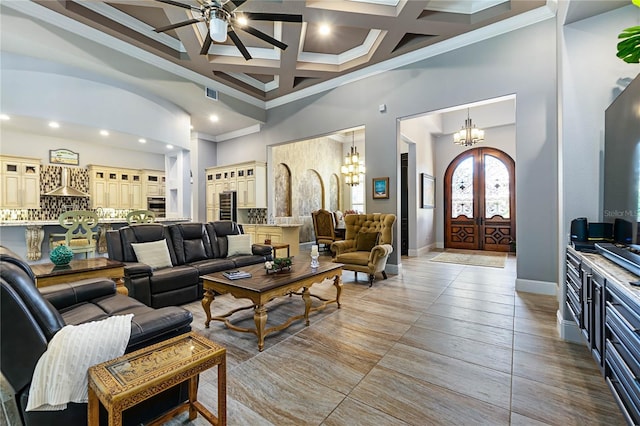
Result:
[
  {"x": 261, "y": 288},
  {"x": 79, "y": 269},
  {"x": 132, "y": 378}
]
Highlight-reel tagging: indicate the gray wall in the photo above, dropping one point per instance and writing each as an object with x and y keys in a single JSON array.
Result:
[
  {"x": 492, "y": 68},
  {"x": 38, "y": 146}
]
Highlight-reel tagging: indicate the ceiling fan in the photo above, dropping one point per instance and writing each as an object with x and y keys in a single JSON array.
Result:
[{"x": 223, "y": 18}]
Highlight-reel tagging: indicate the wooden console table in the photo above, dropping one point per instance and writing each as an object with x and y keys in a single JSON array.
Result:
[
  {"x": 78, "y": 269},
  {"x": 125, "y": 381}
]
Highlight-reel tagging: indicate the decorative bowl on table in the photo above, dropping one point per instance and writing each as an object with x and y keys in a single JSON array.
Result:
[
  {"x": 279, "y": 264},
  {"x": 61, "y": 255}
]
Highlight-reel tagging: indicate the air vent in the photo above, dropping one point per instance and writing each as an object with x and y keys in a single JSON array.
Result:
[{"x": 210, "y": 93}]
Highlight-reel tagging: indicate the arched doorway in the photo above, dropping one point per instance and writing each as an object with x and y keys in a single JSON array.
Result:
[{"x": 479, "y": 195}]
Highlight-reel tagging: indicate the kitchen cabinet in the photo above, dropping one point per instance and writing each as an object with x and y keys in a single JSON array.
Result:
[
  {"x": 249, "y": 180},
  {"x": 289, "y": 234},
  {"x": 119, "y": 188},
  {"x": 153, "y": 183},
  {"x": 20, "y": 180}
]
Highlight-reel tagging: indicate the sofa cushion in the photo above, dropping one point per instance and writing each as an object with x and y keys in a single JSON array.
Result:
[
  {"x": 154, "y": 254},
  {"x": 210, "y": 266},
  {"x": 238, "y": 244},
  {"x": 194, "y": 250},
  {"x": 366, "y": 241},
  {"x": 353, "y": 258},
  {"x": 173, "y": 278}
]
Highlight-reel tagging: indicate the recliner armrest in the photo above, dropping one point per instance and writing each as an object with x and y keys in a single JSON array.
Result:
[
  {"x": 137, "y": 269},
  {"x": 261, "y": 249},
  {"x": 65, "y": 295}
]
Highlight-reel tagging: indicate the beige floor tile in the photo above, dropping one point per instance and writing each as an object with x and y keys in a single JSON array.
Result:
[
  {"x": 420, "y": 403},
  {"x": 561, "y": 406},
  {"x": 470, "y": 330},
  {"x": 472, "y": 351},
  {"x": 354, "y": 413},
  {"x": 477, "y": 305},
  {"x": 471, "y": 315},
  {"x": 485, "y": 384}
]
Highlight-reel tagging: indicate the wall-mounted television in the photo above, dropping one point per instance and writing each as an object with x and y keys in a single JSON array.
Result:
[{"x": 621, "y": 204}]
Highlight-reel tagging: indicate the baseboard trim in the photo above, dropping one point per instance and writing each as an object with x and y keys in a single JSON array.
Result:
[
  {"x": 537, "y": 287},
  {"x": 422, "y": 250},
  {"x": 568, "y": 329},
  {"x": 393, "y": 269}
]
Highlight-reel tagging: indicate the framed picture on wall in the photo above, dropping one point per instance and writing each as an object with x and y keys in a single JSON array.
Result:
[
  {"x": 380, "y": 187},
  {"x": 428, "y": 191}
]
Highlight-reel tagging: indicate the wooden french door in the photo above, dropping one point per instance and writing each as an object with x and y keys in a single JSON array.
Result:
[{"x": 479, "y": 195}]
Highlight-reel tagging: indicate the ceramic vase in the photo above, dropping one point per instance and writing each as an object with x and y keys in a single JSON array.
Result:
[{"x": 61, "y": 255}]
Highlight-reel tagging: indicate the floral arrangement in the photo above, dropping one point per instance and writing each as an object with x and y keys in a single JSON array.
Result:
[{"x": 278, "y": 264}]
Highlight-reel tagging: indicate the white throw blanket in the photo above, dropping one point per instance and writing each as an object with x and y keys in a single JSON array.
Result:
[{"x": 61, "y": 373}]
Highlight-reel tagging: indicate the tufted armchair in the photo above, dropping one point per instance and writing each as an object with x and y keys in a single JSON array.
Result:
[{"x": 367, "y": 244}]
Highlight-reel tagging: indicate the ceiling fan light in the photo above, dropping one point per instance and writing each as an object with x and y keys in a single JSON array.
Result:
[{"x": 218, "y": 30}]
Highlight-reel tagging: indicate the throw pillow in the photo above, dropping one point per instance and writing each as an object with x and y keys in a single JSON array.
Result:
[
  {"x": 154, "y": 254},
  {"x": 238, "y": 244},
  {"x": 365, "y": 241}
]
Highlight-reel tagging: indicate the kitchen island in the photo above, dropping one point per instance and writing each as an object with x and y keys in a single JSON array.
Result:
[
  {"x": 25, "y": 237},
  {"x": 277, "y": 233}
]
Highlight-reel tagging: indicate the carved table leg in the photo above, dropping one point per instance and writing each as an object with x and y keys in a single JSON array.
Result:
[
  {"x": 120, "y": 287},
  {"x": 260, "y": 318},
  {"x": 306, "y": 296},
  {"x": 206, "y": 305},
  {"x": 337, "y": 282},
  {"x": 34, "y": 234}
]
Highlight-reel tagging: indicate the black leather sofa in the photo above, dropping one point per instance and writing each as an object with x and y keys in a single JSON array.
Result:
[
  {"x": 195, "y": 249},
  {"x": 30, "y": 317}
]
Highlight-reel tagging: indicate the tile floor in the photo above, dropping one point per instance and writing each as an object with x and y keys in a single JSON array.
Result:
[{"x": 441, "y": 344}]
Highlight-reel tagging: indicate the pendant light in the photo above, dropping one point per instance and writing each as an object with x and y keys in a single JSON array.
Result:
[
  {"x": 352, "y": 167},
  {"x": 469, "y": 134}
]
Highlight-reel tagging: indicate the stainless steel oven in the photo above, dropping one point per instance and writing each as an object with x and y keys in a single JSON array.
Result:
[{"x": 157, "y": 205}]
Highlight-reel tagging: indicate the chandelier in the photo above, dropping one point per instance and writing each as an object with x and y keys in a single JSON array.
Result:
[
  {"x": 469, "y": 134},
  {"x": 353, "y": 167}
]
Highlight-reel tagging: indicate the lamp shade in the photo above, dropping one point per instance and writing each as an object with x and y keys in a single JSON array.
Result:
[{"x": 218, "y": 29}]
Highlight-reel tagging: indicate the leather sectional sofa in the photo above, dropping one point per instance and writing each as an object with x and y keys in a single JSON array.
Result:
[
  {"x": 195, "y": 249},
  {"x": 30, "y": 317}
]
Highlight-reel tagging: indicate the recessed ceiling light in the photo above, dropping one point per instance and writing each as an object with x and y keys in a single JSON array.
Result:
[
  {"x": 142, "y": 140},
  {"x": 4, "y": 117},
  {"x": 104, "y": 133},
  {"x": 169, "y": 146},
  {"x": 214, "y": 118},
  {"x": 324, "y": 29},
  {"x": 191, "y": 127},
  {"x": 54, "y": 124}
]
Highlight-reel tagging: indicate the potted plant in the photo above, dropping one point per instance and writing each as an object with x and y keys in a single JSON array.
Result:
[{"x": 629, "y": 47}]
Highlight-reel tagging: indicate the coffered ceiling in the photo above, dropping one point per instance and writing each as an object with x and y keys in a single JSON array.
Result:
[
  {"x": 114, "y": 40},
  {"x": 363, "y": 33}
]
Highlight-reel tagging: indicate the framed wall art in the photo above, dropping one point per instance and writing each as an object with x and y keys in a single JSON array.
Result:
[
  {"x": 380, "y": 187},
  {"x": 427, "y": 191}
]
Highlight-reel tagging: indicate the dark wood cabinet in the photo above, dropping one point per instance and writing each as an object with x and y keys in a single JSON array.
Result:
[{"x": 607, "y": 310}]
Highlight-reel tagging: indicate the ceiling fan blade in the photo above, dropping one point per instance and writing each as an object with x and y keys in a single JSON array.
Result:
[
  {"x": 265, "y": 37},
  {"x": 236, "y": 40},
  {"x": 178, "y": 4},
  {"x": 177, "y": 25},
  {"x": 231, "y": 5},
  {"x": 206, "y": 45},
  {"x": 280, "y": 17}
]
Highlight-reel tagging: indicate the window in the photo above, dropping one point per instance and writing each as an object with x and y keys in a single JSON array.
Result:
[{"x": 357, "y": 198}]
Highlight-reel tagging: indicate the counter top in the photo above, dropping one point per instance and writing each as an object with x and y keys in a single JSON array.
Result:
[
  {"x": 101, "y": 220},
  {"x": 611, "y": 271}
]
